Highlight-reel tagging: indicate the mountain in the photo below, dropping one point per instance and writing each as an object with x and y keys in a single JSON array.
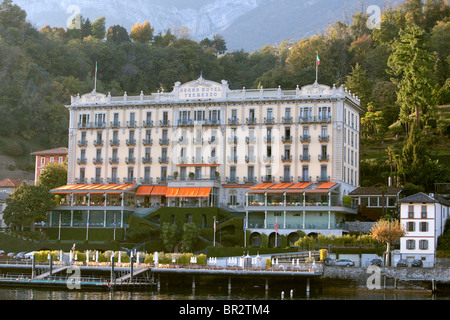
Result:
[{"x": 245, "y": 24}]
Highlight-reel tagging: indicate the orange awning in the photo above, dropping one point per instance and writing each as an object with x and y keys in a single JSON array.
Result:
[
  {"x": 203, "y": 192},
  {"x": 93, "y": 188},
  {"x": 326, "y": 185},
  {"x": 172, "y": 192},
  {"x": 262, "y": 186},
  {"x": 280, "y": 185},
  {"x": 300, "y": 185},
  {"x": 144, "y": 190},
  {"x": 159, "y": 191},
  {"x": 188, "y": 192}
]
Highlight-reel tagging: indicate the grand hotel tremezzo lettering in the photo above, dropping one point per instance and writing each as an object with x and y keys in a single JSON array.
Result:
[{"x": 199, "y": 91}]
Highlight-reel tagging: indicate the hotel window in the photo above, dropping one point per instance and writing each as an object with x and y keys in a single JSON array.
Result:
[
  {"x": 305, "y": 173},
  {"x": 410, "y": 211},
  {"x": 269, "y": 114},
  {"x": 212, "y": 173},
  {"x": 250, "y": 173},
  {"x": 131, "y": 136},
  {"x": 287, "y": 152},
  {"x": 130, "y": 174},
  {"x": 82, "y": 174},
  {"x": 163, "y": 173},
  {"x": 287, "y": 173},
  {"x": 305, "y": 153},
  {"x": 423, "y": 226},
  {"x": 251, "y": 114},
  {"x": 165, "y": 117},
  {"x": 424, "y": 212},
  {"x": 269, "y": 134},
  {"x": 323, "y": 172},
  {"x": 269, "y": 151},
  {"x": 305, "y": 131},
  {"x": 324, "y": 113},
  {"x": 116, "y": 119},
  {"x": 324, "y": 131},
  {"x": 232, "y": 173},
  {"x": 98, "y": 154},
  {"x": 148, "y": 117},
  {"x": 214, "y": 115},
  {"x": 305, "y": 113},
  {"x": 183, "y": 174},
  {"x": 148, "y": 152},
  {"x": 234, "y": 114},
  {"x": 83, "y": 120},
  {"x": 43, "y": 159},
  {"x": 199, "y": 115},
  {"x": 148, "y": 135},
  {"x": 423, "y": 244},
  {"x": 185, "y": 115},
  {"x": 410, "y": 244},
  {"x": 114, "y": 155},
  {"x": 164, "y": 134},
  {"x": 410, "y": 226},
  {"x": 287, "y": 113},
  {"x": 114, "y": 174},
  {"x": 98, "y": 174},
  {"x": 324, "y": 151},
  {"x": 213, "y": 152},
  {"x": 132, "y": 118},
  {"x": 198, "y": 173},
  {"x": 269, "y": 172},
  {"x": 100, "y": 119},
  {"x": 147, "y": 175}
]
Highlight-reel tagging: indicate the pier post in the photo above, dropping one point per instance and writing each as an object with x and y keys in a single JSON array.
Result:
[
  {"x": 193, "y": 282},
  {"x": 113, "y": 279},
  {"x": 33, "y": 270},
  {"x": 158, "y": 282},
  {"x": 229, "y": 284},
  {"x": 308, "y": 287},
  {"x": 51, "y": 266},
  {"x": 267, "y": 285},
  {"x": 131, "y": 266}
]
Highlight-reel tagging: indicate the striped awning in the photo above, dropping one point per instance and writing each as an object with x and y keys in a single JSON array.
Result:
[
  {"x": 159, "y": 191},
  {"x": 144, "y": 190},
  {"x": 172, "y": 192},
  {"x": 94, "y": 188}
]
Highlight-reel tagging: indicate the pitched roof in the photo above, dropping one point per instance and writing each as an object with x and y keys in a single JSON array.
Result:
[
  {"x": 374, "y": 191},
  {"x": 418, "y": 197},
  {"x": 10, "y": 183},
  {"x": 61, "y": 150}
]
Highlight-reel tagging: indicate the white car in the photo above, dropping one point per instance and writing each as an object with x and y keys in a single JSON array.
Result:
[{"x": 344, "y": 262}]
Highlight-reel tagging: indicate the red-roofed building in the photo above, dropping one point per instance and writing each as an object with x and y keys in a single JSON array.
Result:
[{"x": 44, "y": 157}]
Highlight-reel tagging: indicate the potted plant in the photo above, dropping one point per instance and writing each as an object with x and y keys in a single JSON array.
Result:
[
  {"x": 191, "y": 175},
  {"x": 175, "y": 175}
]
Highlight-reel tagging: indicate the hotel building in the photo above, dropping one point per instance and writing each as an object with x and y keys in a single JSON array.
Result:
[{"x": 278, "y": 156}]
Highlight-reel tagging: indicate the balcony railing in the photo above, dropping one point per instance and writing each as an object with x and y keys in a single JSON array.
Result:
[
  {"x": 147, "y": 123},
  {"x": 250, "y": 158},
  {"x": 250, "y": 120},
  {"x": 81, "y": 160},
  {"x": 98, "y": 143},
  {"x": 147, "y": 142},
  {"x": 213, "y": 140},
  {"x": 267, "y": 158},
  {"x": 130, "y": 160},
  {"x": 82, "y": 143},
  {"x": 130, "y": 142},
  {"x": 268, "y": 139},
  {"x": 197, "y": 140},
  {"x": 146, "y": 180},
  {"x": 114, "y": 160},
  {"x": 324, "y": 138},
  {"x": 185, "y": 122},
  {"x": 286, "y": 179},
  {"x": 286, "y": 120},
  {"x": 100, "y": 124},
  {"x": 267, "y": 179},
  {"x": 164, "y": 141},
  {"x": 307, "y": 119},
  {"x": 324, "y": 118},
  {"x": 323, "y": 179},
  {"x": 146, "y": 159},
  {"x": 286, "y": 139},
  {"x": 286, "y": 158},
  {"x": 97, "y": 160},
  {"x": 304, "y": 179},
  {"x": 233, "y": 140},
  {"x": 197, "y": 159},
  {"x": 232, "y": 159},
  {"x": 233, "y": 121},
  {"x": 250, "y": 139},
  {"x": 131, "y": 124},
  {"x": 164, "y": 123},
  {"x": 232, "y": 179},
  {"x": 163, "y": 159},
  {"x": 97, "y": 180},
  {"x": 323, "y": 157},
  {"x": 113, "y": 180},
  {"x": 270, "y": 120},
  {"x": 212, "y": 122},
  {"x": 129, "y": 180},
  {"x": 305, "y": 138},
  {"x": 114, "y": 142},
  {"x": 250, "y": 179},
  {"x": 305, "y": 157},
  {"x": 114, "y": 124},
  {"x": 213, "y": 160}
]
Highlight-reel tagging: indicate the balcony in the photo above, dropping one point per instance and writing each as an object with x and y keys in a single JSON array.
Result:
[
  {"x": 131, "y": 124},
  {"x": 114, "y": 124},
  {"x": 164, "y": 123},
  {"x": 163, "y": 159},
  {"x": 146, "y": 160},
  {"x": 80, "y": 180},
  {"x": 323, "y": 179},
  {"x": 324, "y": 119},
  {"x": 324, "y": 157},
  {"x": 233, "y": 121},
  {"x": 97, "y": 180},
  {"x": 305, "y": 138},
  {"x": 183, "y": 140},
  {"x": 232, "y": 159},
  {"x": 146, "y": 180},
  {"x": 268, "y": 139},
  {"x": 81, "y": 160},
  {"x": 232, "y": 180},
  {"x": 250, "y": 140},
  {"x": 147, "y": 123},
  {"x": 270, "y": 120},
  {"x": 130, "y": 160},
  {"x": 250, "y": 121},
  {"x": 185, "y": 122},
  {"x": 286, "y": 139},
  {"x": 304, "y": 178},
  {"x": 99, "y": 125},
  {"x": 98, "y": 143},
  {"x": 305, "y": 157},
  {"x": 197, "y": 140},
  {"x": 84, "y": 125},
  {"x": 212, "y": 122},
  {"x": 267, "y": 179},
  {"x": 267, "y": 158},
  {"x": 129, "y": 180},
  {"x": 130, "y": 142},
  {"x": 250, "y": 158},
  {"x": 164, "y": 141},
  {"x": 286, "y": 158},
  {"x": 82, "y": 143},
  {"x": 114, "y": 142},
  {"x": 97, "y": 160},
  {"x": 182, "y": 160},
  {"x": 114, "y": 160},
  {"x": 213, "y": 160},
  {"x": 233, "y": 140},
  {"x": 286, "y": 179},
  {"x": 324, "y": 138},
  {"x": 306, "y": 119},
  {"x": 147, "y": 142},
  {"x": 197, "y": 160},
  {"x": 250, "y": 180},
  {"x": 112, "y": 180},
  {"x": 286, "y": 120}
]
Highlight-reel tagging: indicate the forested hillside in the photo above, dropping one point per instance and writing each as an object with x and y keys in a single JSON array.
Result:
[{"x": 400, "y": 70}]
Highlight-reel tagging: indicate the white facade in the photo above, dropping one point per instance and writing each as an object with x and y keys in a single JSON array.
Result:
[{"x": 424, "y": 219}]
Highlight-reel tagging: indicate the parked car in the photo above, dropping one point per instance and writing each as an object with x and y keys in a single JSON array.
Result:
[
  {"x": 376, "y": 262},
  {"x": 2, "y": 252},
  {"x": 11, "y": 255},
  {"x": 329, "y": 262},
  {"x": 344, "y": 262},
  {"x": 20, "y": 256},
  {"x": 417, "y": 263},
  {"x": 402, "y": 263}
]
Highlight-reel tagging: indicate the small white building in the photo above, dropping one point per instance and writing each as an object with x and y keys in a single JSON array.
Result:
[{"x": 424, "y": 218}]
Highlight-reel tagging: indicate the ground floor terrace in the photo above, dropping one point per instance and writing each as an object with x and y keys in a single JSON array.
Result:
[{"x": 288, "y": 207}]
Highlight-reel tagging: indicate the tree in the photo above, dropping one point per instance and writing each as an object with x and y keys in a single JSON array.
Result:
[
  {"x": 142, "y": 32},
  {"x": 170, "y": 236},
  {"x": 98, "y": 28},
  {"x": 11, "y": 15},
  {"x": 387, "y": 232},
  {"x": 53, "y": 176},
  {"x": 28, "y": 204},
  {"x": 412, "y": 62},
  {"x": 118, "y": 34},
  {"x": 190, "y": 237},
  {"x": 358, "y": 83}
]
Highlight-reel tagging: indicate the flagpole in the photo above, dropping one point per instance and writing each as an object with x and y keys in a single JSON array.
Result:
[
  {"x": 276, "y": 231},
  {"x": 87, "y": 227},
  {"x": 114, "y": 227},
  {"x": 317, "y": 64},
  {"x": 214, "y": 244},
  {"x": 59, "y": 231}
]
